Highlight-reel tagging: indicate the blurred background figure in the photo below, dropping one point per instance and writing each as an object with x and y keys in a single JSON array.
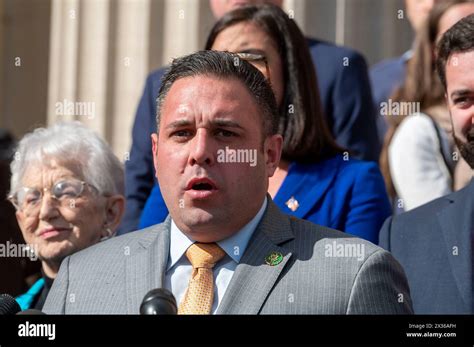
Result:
[
  {"x": 67, "y": 188},
  {"x": 434, "y": 242},
  {"x": 419, "y": 159},
  {"x": 346, "y": 101},
  {"x": 18, "y": 273},
  {"x": 315, "y": 179},
  {"x": 389, "y": 74}
]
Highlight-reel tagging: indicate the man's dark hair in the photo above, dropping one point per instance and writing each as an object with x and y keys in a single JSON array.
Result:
[
  {"x": 458, "y": 39},
  {"x": 224, "y": 65}
]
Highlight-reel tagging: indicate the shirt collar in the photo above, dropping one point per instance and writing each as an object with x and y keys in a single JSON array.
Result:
[{"x": 234, "y": 246}]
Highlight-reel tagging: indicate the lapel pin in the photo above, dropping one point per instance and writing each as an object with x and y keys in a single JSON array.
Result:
[
  {"x": 292, "y": 204},
  {"x": 274, "y": 258}
]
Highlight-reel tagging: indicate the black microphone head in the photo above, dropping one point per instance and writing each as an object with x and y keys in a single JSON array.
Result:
[
  {"x": 8, "y": 305},
  {"x": 157, "y": 302},
  {"x": 31, "y": 312}
]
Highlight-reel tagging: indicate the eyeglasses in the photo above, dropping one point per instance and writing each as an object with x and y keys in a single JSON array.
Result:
[
  {"x": 256, "y": 60},
  {"x": 29, "y": 199}
]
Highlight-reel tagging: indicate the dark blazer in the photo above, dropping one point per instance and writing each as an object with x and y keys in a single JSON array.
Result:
[
  {"x": 385, "y": 77},
  {"x": 434, "y": 244},
  {"x": 347, "y": 102},
  {"x": 347, "y": 195}
]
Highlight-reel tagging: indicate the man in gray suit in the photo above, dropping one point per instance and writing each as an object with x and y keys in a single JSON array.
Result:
[{"x": 226, "y": 248}]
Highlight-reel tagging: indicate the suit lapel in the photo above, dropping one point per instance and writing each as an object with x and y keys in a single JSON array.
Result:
[
  {"x": 253, "y": 279},
  {"x": 456, "y": 221},
  {"x": 145, "y": 267}
]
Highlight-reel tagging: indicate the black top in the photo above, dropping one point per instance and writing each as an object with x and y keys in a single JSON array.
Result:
[{"x": 40, "y": 299}]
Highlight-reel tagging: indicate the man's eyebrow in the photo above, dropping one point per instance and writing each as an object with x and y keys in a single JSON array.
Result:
[
  {"x": 461, "y": 92},
  {"x": 179, "y": 123},
  {"x": 216, "y": 122},
  {"x": 226, "y": 123}
]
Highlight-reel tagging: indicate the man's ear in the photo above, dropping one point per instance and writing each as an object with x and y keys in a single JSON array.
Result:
[
  {"x": 114, "y": 210},
  {"x": 272, "y": 150},
  {"x": 154, "y": 148}
]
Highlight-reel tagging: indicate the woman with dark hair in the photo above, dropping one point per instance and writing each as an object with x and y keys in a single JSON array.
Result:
[
  {"x": 316, "y": 179},
  {"x": 267, "y": 31},
  {"x": 418, "y": 158}
]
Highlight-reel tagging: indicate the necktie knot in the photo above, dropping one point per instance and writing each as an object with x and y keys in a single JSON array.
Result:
[{"x": 204, "y": 255}]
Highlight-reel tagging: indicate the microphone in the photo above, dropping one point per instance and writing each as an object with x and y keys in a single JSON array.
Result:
[
  {"x": 158, "y": 301},
  {"x": 8, "y": 305},
  {"x": 31, "y": 312}
]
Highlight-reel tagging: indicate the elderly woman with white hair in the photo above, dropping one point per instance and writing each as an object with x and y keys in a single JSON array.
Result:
[{"x": 67, "y": 187}]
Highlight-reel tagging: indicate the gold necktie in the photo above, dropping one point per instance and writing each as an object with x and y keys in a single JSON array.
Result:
[{"x": 200, "y": 293}]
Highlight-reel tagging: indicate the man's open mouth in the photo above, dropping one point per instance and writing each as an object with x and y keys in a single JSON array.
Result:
[{"x": 201, "y": 184}]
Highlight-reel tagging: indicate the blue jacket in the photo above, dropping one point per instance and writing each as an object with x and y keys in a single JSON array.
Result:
[
  {"x": 347, "y": 101},
  {"x": 346, "y": 195},
  {"x": 434, "y": 244}
]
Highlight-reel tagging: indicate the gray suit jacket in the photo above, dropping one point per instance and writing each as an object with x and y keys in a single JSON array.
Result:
[{"x": 321, "y": 273}]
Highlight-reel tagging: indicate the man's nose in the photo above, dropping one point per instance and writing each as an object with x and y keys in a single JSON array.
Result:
[{"x": 202, "y": 149}]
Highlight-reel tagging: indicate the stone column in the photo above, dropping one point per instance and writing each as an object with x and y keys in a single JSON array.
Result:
[{"x": 98, "y": 64}]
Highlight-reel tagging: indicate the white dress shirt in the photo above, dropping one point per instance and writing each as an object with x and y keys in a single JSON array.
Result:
[{"x": 179, "y": 269}]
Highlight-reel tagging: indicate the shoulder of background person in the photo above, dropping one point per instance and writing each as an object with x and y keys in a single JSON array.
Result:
[
  {"x": 154, "y": 78},
  {"x": 347, "y": 165},
  {"x": 420, "y": 219},
  {"x": 316, "y": 45},
  {"x": 389, "y": 66},
  {"x": 416, "y": 128}
]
